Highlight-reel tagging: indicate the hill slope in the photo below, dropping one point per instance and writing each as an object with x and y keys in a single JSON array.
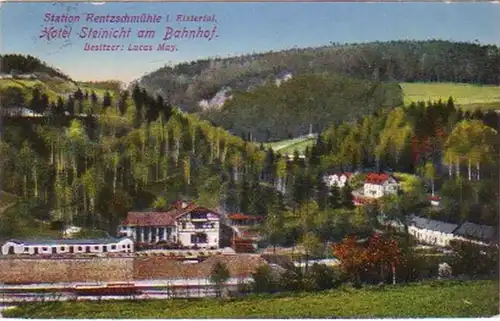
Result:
[
  {"x": 403, "y": 61},
  {"x": 275, "y": 112}
]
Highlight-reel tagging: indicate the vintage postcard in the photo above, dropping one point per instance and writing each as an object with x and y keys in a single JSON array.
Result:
[{"x": 249, "y": 160}]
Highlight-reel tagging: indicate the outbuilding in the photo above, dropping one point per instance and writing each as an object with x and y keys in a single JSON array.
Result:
[{"x": 47, "y": 247}]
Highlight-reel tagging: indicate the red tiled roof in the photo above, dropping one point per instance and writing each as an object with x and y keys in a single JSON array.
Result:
[
  {"x": 434, "y": 198},
  {"x": 149, "y": 219},
  {"x": 162, "y": 218},
  {"x": 240, "y": 216},
  {"x": 376, "y": 178}
]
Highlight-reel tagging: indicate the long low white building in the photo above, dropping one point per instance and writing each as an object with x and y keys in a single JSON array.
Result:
[
  {"x": 47, "y": 247},
  {"x": 433, "y": 232}
]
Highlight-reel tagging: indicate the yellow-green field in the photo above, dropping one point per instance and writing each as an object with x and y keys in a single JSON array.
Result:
[
  {"x": 467, "y": 96},
  {"x": 289, "y": 146},
  {"x": 419, "y": 300},
  {"x": 52, "y": 87}
]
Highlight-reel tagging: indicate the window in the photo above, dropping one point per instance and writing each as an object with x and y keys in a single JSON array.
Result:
[
  {"x": 198, "y": 216},
  {"x": 96, "y": 247},
  {"x": 79, "y": 248},
  {"x": 198, "y": 238},
  {"x": 113, "y": 247},
  {"x": 183, "y": 225}
]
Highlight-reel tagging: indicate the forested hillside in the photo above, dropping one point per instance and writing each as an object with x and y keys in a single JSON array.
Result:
[
  {"x": 402, "y": 61},
  {"x": 15, "y": 63},
  {"x": 137, "y": 152},
  {"x": 274, "y": 112},
  {"x": 93, "y": 157}
]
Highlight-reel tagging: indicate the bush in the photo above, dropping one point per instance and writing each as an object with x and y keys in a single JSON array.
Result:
[
  {"x": 291, "y": 280},
  {"x": 473, "y": 259},
  {"x": 264, "y": 280},
  {"x": 323, "y": 277}
]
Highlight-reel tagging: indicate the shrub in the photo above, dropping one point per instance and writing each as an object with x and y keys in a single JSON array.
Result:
[
  {"x": 473, "y": 259},
  {"x": 323, "y": 277},
  {"x": 219, "y": 276},
  {"x": 264, "y": 280},
  {"x": 291, "y": 280}
]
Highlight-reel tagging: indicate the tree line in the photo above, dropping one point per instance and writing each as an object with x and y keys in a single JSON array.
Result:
[{"x": 28, "y": 64}]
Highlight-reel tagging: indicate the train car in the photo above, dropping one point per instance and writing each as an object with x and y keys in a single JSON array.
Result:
[{"x": 106, "y": 289}]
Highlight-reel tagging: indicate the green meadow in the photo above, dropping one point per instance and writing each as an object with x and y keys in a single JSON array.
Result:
[
  {"x": 438, "y": 299},
  {"x": 467, "y": 96}
]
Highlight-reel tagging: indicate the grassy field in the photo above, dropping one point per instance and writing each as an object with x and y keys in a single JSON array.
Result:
[
  {"x": 53, "y": 87},
  {"x": 290, "y": 145},
  {"x": 467, "y": 96},
  {"x": 434, "y": 299}
]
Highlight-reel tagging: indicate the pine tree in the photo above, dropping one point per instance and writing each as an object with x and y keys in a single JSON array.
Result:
[
  {"x": 70, "y": 105},
  {"x": 59, "y": 107},
  {"x": 322, "y": 193},
  {"x": 106, "y": 101},
  {"x": 44, "y": 103},
  {"x": 35, "y": 100},
  {"x": 122, "y": 103},
  {"x": 346, "y": 196},
  {"x": 93, "y": 99},
  {"x": 78, "y": 95},
  {"x": 334, "y": 197}
]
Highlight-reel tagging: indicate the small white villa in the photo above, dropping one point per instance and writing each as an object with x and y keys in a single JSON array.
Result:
[
  {"x": 378, "y": 185},
  {"x": 432, "y": 232},
  {"x": 339, "y": 179},
  {"x": 111, "y": 245}
]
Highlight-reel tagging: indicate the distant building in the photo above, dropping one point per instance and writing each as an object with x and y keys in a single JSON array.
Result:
[
  {"x": 244, "y": 239},
  {"x": 185, "y": 223},
  {"x": 476, "y": 233},
  {"x": 5, "y": 76},
  {"x": 111, "y": 245},
  {"x": 70, "y": 231},
  {"x": 19, "y": 112},
  {"x": 432, "y": 232},
  {"x": 379, "y": 184},
  {"x": 339, "y": 179},
  {"x": 435, "y": 200},
  {"x": 239, "y": 219}
]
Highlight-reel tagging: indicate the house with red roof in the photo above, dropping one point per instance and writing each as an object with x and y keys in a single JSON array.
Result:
[
  {"x": 339, "y": 179},
  {"x": 185, "y": 223},
  {"x": 379, "y": 184},
  {"x": 239, "y": 219}
]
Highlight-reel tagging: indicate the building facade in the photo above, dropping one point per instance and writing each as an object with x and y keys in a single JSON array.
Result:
[
  {"x": 378, "y": 185},
  {"x": 185, "y": 223},
  {"x": 476, "y": 233},
  {"x": 432, "y": 232},
  {"x": 50, "y": 247},
  {"x": 339, "y": 179}
]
